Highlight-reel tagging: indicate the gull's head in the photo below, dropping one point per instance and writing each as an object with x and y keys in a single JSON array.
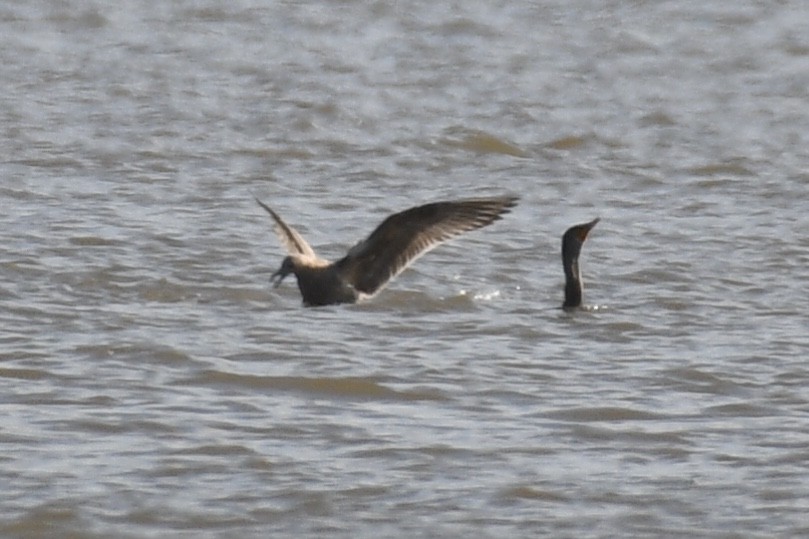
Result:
[{"x": 287, "y": 267}]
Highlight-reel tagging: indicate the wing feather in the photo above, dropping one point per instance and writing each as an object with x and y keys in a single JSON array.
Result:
[
  {"x": 290, "y": 238},
  {"x": 405, "y": 236}
]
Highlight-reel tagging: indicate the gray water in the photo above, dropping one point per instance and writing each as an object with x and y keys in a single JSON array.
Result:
[{"x": 154, "y": 384}]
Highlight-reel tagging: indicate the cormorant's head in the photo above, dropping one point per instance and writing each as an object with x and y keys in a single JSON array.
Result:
[
  {"x": 574, "y": 239},
  {"x": 287, "y": 267}
]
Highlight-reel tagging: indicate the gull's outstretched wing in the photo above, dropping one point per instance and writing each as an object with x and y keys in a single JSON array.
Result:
[
  {"x": 290, "y": 238},
  {"x": 405, "y": 236}
]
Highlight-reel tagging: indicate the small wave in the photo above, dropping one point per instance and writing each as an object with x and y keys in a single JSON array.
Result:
[
  {"x": 480, "y": 142},
  {"x": 605, "y": 413},
  {"x": 568, "y": 143},
  {"x": 24, "y": 374},
  {"x": 93, "y": 241},
  {"x": 530, "y": 493},
  {"x": 720, "y": 169},
  {"x": 345, "y": 387}
]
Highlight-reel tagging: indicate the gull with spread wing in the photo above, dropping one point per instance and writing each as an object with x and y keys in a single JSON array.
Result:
[{"x": 371, "y": 264}]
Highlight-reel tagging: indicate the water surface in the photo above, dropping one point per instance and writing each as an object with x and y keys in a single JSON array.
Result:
[{"x": 154, "y": 384}]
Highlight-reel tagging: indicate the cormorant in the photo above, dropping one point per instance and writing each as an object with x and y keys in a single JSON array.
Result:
[{"x": 572, "y": 241}]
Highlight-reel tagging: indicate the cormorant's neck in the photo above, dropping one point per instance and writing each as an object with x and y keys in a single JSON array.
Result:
[{"x": 573, "y": 288}]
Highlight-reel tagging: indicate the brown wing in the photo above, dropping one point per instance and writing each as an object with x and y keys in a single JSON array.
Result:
[
  {"x": 404, "y": 236},
  {"x": 290, "y": 238}
]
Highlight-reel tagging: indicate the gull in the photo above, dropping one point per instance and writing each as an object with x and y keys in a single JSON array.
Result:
[{"x": 395, "y": 244}]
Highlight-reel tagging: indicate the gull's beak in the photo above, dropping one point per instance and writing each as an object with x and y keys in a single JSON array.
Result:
[
  {"x": 277, "y": 277},
  {"x": 287, "y": 267}
]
